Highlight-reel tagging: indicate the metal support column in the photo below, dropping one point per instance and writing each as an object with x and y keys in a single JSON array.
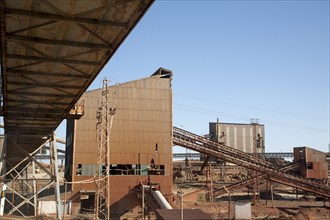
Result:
[
  {"x": 254, "y": 123},
  {"x": 3, "y": 178},
  {"x": 53, "y": 149},
  {"x": 34, "y": 189}
]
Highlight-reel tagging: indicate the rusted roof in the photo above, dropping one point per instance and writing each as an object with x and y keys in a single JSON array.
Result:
[
  {"x": 175, "y": 214},
  {"x": 51, "y": 51}
]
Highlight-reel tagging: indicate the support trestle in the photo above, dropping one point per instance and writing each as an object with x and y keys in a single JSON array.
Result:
[{"x": 25, "y": 188}]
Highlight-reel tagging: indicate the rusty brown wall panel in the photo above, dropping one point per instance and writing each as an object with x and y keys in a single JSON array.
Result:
[
  {"x": 324, "y": 174},
  {"x": 316, "y": 165},
  {"x": 296, "y": 154},
  {"x": 318, "y": 158},
  {"x": 309, "y": 174},
  {"x": 143, "y": 118}
]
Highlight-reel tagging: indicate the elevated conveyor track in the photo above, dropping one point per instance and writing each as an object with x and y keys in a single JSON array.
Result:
[
  {"x": 51, "y": 51},
  {"x": 203, "y": 145}
]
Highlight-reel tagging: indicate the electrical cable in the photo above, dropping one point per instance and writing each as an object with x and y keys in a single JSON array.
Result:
[
  {"x": 241, "y": 117},
  {"x": 251, "y": 107}
]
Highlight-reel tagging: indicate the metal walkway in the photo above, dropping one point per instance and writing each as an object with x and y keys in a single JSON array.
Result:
[
  {"x": 203, "y": 145},
  {"x": 51, "y": 51}
]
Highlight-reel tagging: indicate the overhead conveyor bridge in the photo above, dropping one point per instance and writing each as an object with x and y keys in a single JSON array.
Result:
[
  {"x": 220, "y": 151},
  {"x": 51, "y": 51}
]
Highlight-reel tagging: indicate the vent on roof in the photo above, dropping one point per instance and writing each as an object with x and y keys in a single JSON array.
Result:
[{"x": 163, "y": 73}]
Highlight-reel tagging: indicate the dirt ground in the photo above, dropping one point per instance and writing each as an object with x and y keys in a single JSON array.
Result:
[
  {"x": 286, "y": 210},
  {"x": 286, "y": 207}
]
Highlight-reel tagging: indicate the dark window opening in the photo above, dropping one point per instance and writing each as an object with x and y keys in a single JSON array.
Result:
[
  {"x": 78, "y": 170},
  {"x": 310, "y": 166},
  {"x": 136, "y": 169},
  {"x": 122, "y": 169},
  {"x": 156, "y": 169},
  {"x": 87, "y": 203}
]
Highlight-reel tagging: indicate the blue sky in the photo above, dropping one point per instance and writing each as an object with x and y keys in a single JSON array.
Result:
[{"x": 237, "y": 60}]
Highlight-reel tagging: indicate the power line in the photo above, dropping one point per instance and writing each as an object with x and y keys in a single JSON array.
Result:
[
  {"x": 241, "y": 117},
  {"x": 252, "y": 107}
]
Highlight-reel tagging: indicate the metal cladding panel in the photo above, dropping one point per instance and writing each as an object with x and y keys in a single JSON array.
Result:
[
  {"x": 238, "y": 136},
  {"x": 143, "y": 118},
  {"x": 298, "y": 153},
  {"x": 315, "y": 164},
  {"x": 51, "y": 51}
]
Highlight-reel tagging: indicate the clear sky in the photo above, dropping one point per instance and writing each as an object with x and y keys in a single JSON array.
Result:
[{"x": 238, "y": 60}]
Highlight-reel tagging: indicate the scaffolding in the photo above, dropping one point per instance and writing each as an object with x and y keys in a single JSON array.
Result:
[{"x": 104, "y": 118}]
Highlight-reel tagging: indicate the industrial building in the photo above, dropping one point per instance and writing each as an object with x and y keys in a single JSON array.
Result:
[
  {"x": 51, "y": 53},
  {"x": 140, "y": 140},
  {"x": 314, "y": 163},
  {"x": 239, "y": 136}
]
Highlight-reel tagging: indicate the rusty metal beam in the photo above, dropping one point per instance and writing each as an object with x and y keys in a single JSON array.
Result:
[
  {"x": 64, "y": 18},
  {"x": 32, "y": 117},
  {"x": 203, "y": 145},
  {"x": 25, "y": 132},
  {"x": 29, "y": 136},
  {"x": 33, "y": 27},
  {"x": 35, "y": 110},
  {"x": 52, "y": 95},
  {"x": 59, "y": 42},
  {"x": 30, "y": 124},
  {"x": 43, "y": 85},
  {"x": 52, "y": 59},
  {"x": 250, "y": 181},
  {"x": 41, "y": 73},
  {"x": 36, "y": 102}
]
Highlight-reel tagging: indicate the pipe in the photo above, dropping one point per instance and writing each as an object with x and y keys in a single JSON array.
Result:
[
  {"x": 158, "y": 196},
  {"x": 161, "y": 200}
]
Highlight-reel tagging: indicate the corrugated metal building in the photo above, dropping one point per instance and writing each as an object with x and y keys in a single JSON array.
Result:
[
  {"x": 143, "y": 120},
  {"x": 239, "y": 136},
  {"x": 315, "y": 165}
]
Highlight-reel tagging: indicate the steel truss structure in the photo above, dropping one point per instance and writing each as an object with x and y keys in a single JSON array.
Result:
[
  {"x": 51, "y": 51},
  {"x": 27, "y": 189},
  {"x": 260, "y": 155},
  {"x": 203, "y": 145},
  {"x": 250, "y": 181},
  {"x": 104, "y": 117}
]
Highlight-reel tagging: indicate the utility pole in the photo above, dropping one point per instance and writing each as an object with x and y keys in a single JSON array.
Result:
[
  {"x": 143, "y": 205},
  {"x": 180, "y": 193},
  {"x": 104, "y": 118},
  {"x": 211, "y": 183},
  {"x": 229, "y": 202},
  {"x": 254, "y": 123}
]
